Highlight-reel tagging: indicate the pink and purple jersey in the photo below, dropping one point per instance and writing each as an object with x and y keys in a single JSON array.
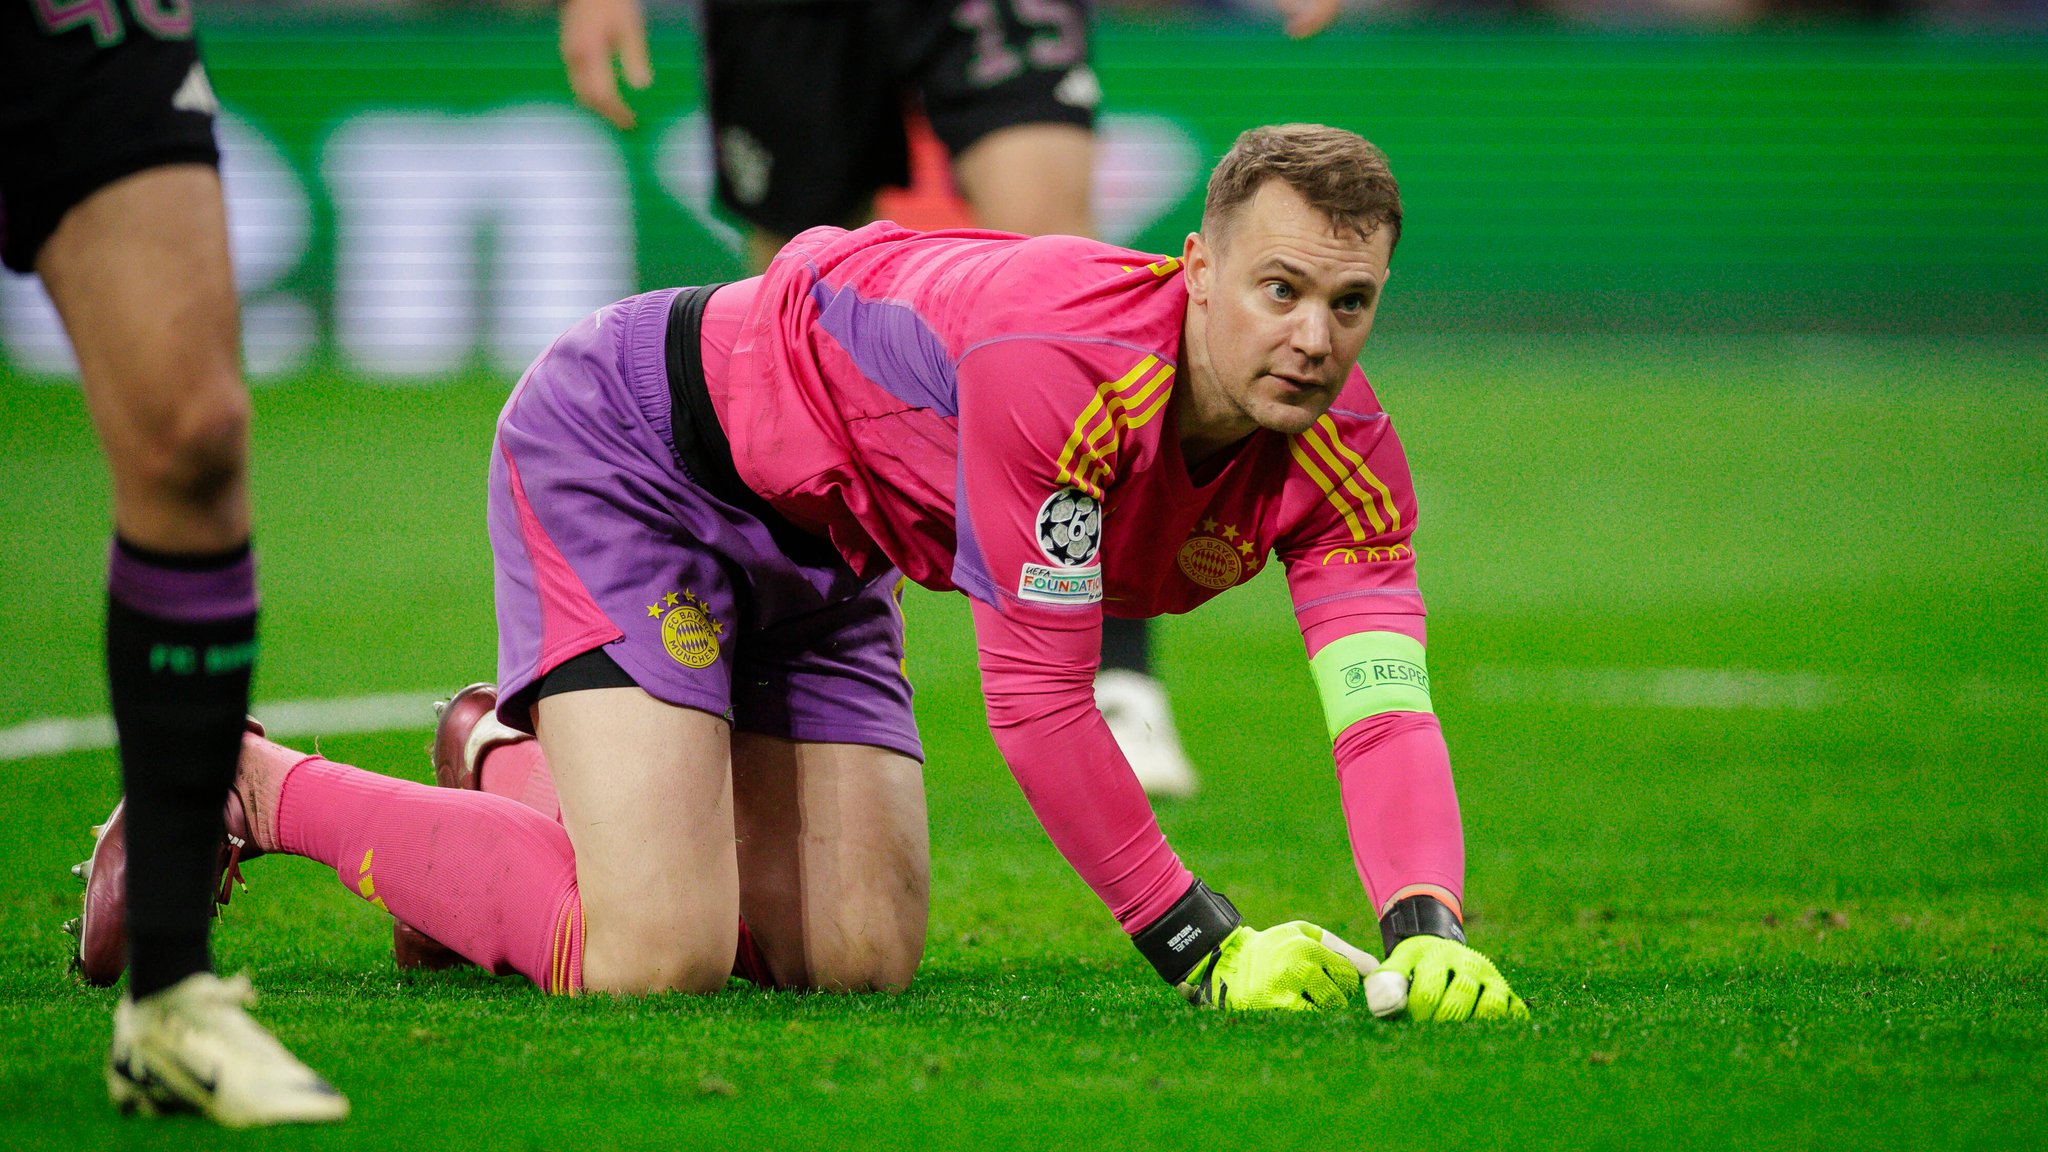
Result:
[
  {"x": 985, "y": 411},
  {"x": 992, "y": 413}
]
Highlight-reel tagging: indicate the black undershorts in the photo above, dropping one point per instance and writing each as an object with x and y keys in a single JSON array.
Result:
[{"x": 112, "y": 89}]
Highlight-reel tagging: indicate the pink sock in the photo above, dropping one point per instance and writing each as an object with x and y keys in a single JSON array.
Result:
[
  {"x": 518, "y": 770},
  {"x": 485, "y": 875}
]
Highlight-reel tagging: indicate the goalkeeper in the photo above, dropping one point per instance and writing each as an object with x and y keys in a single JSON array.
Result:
[{"x": 702, "y": 499}]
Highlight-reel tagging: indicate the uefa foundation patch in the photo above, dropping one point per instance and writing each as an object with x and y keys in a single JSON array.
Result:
[{"x": 1049, "y": 585}]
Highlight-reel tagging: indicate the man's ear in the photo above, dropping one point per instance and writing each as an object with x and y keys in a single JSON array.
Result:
[{"x": 1198, "y": 267}]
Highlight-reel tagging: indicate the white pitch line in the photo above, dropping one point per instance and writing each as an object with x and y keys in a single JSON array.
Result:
[
  {"x": 1715, "y": 689},
  {"x": 388, "y": 712},
  {"x": 1681, "y": 689},
  {"x": 1746, "y": 689}
]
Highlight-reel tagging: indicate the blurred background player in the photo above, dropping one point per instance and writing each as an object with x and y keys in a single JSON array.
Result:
[
  {"x": 109, "y": 191},
  {"x": 1004, "y": 89}
]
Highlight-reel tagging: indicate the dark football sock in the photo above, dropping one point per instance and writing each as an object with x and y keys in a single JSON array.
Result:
[
  {"x": 181, "y": 642},
  {"x": 1127, "y": 644}
]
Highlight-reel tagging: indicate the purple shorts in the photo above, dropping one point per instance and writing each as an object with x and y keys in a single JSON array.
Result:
[{"x": 602, "y": 540}]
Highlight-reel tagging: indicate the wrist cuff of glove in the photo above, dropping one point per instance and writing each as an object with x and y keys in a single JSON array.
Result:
[
  {"x": 1419, "y": 915},
  {"x": 1194, "y": 927}
]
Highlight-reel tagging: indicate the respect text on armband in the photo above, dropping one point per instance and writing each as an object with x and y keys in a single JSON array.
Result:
[{"x": 1382, "y": 673}]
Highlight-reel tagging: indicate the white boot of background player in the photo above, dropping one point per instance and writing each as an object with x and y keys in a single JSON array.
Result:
[{"x": 1141, "y": 719}]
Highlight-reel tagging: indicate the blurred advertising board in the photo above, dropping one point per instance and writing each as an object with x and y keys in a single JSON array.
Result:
[{"x": 411, "y": 199}]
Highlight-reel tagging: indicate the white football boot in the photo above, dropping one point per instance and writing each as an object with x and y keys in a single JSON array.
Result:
[
  {"x": 1141, "y": 719},
  {"x": 192, "y": 1048}
]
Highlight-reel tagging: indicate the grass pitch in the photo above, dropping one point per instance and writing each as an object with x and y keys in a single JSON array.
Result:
[{"x": 1739, "y": 648}]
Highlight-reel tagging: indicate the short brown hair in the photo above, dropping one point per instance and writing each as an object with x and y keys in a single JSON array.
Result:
[{"x": 1341, "y": 174}]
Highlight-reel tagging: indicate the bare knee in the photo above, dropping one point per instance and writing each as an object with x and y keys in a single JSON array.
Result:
[
  {"x": 878, "y": 965},
  {"x": 190, "y": 450},
  {"x": 641, "y": 957},
  {"x": 873, "y": 946}
]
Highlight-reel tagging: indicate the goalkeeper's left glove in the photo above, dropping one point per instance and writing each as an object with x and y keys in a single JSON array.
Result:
[
  {"x": 1202, "y": 947},
  {"x": 1296, "y": 966},
  {"x": 1433, "y": 974}
]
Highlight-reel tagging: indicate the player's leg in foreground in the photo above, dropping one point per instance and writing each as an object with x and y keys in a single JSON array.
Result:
[{"x": 139, "y": 272}]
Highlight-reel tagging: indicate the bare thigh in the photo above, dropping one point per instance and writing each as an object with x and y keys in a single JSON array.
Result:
[
  {"x": 834, "y": 860},
  {"x": 1031, "y": 178},
  {"x": 139, "y": 271},
  {"x": 646, "y": 792}
]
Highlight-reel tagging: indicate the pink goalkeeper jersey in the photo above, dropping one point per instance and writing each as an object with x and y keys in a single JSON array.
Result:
[
  {"x": 940, "y": 401},
  {"x": 991, "y": 413}
]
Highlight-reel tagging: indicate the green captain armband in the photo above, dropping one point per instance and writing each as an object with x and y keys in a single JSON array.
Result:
[{"x": 1368, "y": 673}]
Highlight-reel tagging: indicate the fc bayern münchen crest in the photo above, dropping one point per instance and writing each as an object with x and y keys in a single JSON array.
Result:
[
  {"x": 688, "y": 630},
  {"x": 1070, "y": 527}
]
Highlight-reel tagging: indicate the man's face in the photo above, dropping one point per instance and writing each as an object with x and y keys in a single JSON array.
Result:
[{"x": 1285, "y": 298}]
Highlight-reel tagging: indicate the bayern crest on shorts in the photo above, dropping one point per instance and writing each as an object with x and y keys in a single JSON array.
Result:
[
  {"x": 688, "y": 630},
  {"x": 1070, "y": 527}
]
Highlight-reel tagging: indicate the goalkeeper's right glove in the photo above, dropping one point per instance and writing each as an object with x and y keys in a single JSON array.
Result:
[{"x": 1202, "y": 947}]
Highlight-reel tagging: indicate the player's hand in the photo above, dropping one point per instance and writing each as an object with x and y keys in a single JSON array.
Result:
[
  {"x": 594, "y": 33},
  {"x": 1295, "y": 966},
  {"x": 1433, "y": 978},
  {"x": 1304, "y": 18}
]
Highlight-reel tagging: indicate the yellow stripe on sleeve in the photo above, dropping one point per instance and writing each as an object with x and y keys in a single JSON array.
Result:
[
  {"x": 1118, "y": 406},
  {"x": 1150, "y": 399},
  {"x": 1094, "y": 420},
  {"x": 1358, "y": 462},
  {"x": 1335, "y": 497},
  {"x": 1339, "y": 470}
]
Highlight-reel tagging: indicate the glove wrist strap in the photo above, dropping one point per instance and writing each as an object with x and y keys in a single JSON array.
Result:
[
  {"x": 1419, "y": 915},
  {"x": 1195, "y": 926}
]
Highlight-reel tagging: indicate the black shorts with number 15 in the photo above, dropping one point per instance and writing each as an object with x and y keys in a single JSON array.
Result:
[{"x": 807, "y": 97}]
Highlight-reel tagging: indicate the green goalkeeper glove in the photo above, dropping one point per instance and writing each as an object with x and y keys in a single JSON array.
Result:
[
  {"x": 1436, "y": 978},
  {"x": 1295, "y": 966}
]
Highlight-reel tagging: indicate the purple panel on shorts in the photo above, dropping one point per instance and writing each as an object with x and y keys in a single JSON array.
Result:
[
  {"x": 192, "y": 595},
  {"x": 835, "y": 675},
  {"x": 892, "y": 346}
]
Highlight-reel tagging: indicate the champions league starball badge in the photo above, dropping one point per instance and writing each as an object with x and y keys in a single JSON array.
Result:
[{"x": 1070, "y": 527}]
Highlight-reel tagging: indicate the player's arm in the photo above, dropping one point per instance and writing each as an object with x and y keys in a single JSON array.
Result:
[
  {"x": 1033, "y": 460},
  {"x": 1351, "y": 571},
  {"x": 594, "y": 34},
  {"x": 1037, "y": 679},
  {"x": 1304, "y": 18}
]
